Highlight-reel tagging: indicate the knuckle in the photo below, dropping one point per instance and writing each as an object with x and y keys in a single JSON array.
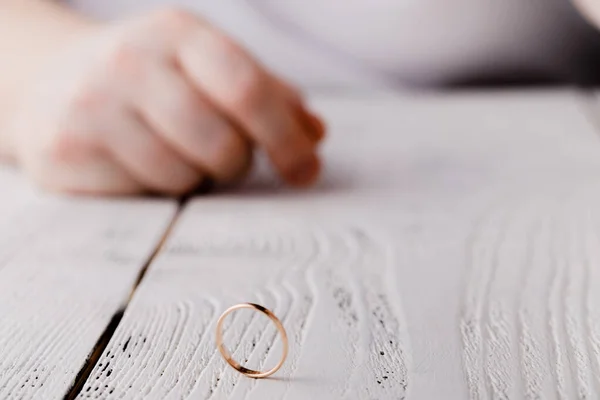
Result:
[
  {"x": 173, "y": 18},
  {"x": 125, "y": 60},
  {"x": 69, "y": 146},
  {"x": 88, "y": 100},
  {"x": 186, "y": 111},
  {"x": 166, "y": 173},
  {"x": 155, "y": 158},
  {"x": 250, "y": 88},
  {"x": 227, "y": 46},
  {"x": 185, "y": 105}
]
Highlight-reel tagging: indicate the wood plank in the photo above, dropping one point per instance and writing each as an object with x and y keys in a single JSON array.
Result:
[
  {"x": 67, "y": 265},
  {"x": 450, "y": 252}
]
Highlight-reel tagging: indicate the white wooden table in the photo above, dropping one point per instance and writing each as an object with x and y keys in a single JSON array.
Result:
[{"x": 452, "y": 251}]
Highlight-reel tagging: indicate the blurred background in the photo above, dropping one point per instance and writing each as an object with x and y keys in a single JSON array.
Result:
[{"x": 402, "y": 43}]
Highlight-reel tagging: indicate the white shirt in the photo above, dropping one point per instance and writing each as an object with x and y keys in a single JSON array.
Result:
[{"x": 389, "y": 42}]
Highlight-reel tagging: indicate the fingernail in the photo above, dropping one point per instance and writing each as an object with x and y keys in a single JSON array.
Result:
[
  {"x": 318, "y": 126},
  {"x": 312, "y": 123},
  {"x": 305, "y": 172}
]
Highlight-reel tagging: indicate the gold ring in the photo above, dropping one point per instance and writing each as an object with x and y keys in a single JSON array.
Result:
[{"x": 225, "y": 353}]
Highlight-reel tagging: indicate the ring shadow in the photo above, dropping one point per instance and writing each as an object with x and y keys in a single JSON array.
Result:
[{"x": 300, "y": 379}]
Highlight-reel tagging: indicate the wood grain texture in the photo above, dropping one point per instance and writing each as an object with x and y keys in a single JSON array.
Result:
[
  {"x": 66, "y": 267},
  {"x": 449, "y": 252}
]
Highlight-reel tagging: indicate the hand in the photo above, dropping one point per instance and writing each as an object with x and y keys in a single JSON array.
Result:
[
  {"x": 589, "y": 9},
  {"x": 158, "y": 103}
]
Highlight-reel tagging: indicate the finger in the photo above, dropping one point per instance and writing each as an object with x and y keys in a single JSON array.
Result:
[
  {"x": 99, "y": 176},
  {"x": 74, "y": 159},
  {"x": 192, "y": 126},
  {"x": 164, "y": 28},
  {"x": 313, "y": 124},
  {"x": 147, "y": 158},
  {"x": 237, "y": 85}
]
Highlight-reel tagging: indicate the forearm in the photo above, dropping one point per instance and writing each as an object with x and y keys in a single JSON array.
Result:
[{"x": 31, "y": 31}]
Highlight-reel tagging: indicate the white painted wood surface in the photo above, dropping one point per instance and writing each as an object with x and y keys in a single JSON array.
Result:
[
  {"x": 451, "y": 252},
  {"x": 66, "y": 267}
]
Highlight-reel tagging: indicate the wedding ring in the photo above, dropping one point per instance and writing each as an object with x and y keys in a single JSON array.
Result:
[{"x": 225, "y": 353}]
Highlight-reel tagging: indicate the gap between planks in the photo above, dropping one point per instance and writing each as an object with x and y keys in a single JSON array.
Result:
[{"x": 87, "y": 368}]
